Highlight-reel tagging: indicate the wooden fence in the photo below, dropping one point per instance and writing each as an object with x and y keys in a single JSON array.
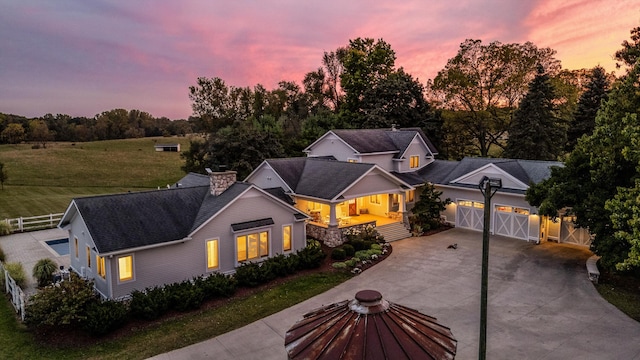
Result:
[
  {"x": 34, "y": 222},
  {"x": 17, "y": 296}
]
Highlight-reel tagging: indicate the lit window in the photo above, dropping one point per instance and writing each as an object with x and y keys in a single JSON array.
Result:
[
  {"x": 88, "y": 257},
  {"x": 125, "y": 268},
  {"x": 504, "y": 208},
  {"x": 102, "y": 269},
  {"x": 75, "y": 244},
  {"x": 394, "y": 200},
  {"x": 521, "y": 211},
  {"x": 411, "y": 195},
  {"x": 352, "y": 160},
  {"x": 375, "y": 199},
  {"x": 212, "y": 254},
  {"x": 414, "y": 161},
  {"x": 286, "y": 238},
  {"x": 253, "y": 246}
]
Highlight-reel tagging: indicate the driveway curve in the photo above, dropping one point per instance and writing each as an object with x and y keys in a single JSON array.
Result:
[{"x": 541, "y": 303}]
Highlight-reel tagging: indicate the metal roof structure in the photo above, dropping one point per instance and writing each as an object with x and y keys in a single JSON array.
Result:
[{"x": 368, "y": 327}]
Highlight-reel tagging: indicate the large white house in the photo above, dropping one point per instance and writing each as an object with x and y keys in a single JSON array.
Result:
[{"x": 349, "y": 179}]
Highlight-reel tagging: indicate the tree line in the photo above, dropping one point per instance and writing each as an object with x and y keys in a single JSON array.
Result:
[
  {"x": 108, "y": 125},
  {"x": 489, "y": 100}
]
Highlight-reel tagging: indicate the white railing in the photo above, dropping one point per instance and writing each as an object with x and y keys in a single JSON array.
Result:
[
  {"x": 18, "y": 299},
  {"x": 34, "y": 222}
]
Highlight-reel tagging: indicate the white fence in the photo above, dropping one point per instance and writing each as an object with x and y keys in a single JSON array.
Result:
[
  {"x": 34, "y": 222},
  {"x": 18, "y": 299}
]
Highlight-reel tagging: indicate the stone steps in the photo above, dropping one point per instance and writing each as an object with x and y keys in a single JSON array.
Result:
[{"x": 393, "y": 231}]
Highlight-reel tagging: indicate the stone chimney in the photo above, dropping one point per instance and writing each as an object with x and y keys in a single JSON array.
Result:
[{"x": 220, "y": 181}]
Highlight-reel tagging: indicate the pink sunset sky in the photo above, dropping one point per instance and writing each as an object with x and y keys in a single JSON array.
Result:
[{"x": 84, "y": 57}]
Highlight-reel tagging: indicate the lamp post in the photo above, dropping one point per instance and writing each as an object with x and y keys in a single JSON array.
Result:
[{"x": 488, "y": 187}]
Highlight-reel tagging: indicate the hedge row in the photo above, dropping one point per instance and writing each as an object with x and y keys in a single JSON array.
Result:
[{"x": 74, "y": 303}]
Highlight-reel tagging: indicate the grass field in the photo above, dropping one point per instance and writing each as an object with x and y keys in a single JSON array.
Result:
[{"x": 43, "y": 181}]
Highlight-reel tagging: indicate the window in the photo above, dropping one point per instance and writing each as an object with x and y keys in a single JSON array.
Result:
[
  {"x": 314, "y": 205},
  {"x": 411, "y": 195},
  {"x": 395, "y": 200},
  {"x": 101, "y": 267},
  {"x": 414, "y": 161},
  {"x": 88, "y": 257},
  {"x": 375, "y": 199},
  {"x": 212, "y": 254},
  {"x": 286, "y": 238},
  {"x": 253, "y": 246},
  {"x": 75, "y": 244},
  {"x": 352, "y": 160},
  {"x": 125, "y": 268}
]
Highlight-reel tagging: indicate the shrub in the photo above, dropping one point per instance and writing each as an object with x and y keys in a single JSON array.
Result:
[
  {"x": 16, "y": 271},
  {"x": 349, "y": 250},
  {"x": 351, "y": 262},
  {"x": 1, "y": 278},
  {"x": 376, "y": 246},
  {"x": 311, "y": 256},
  {"x": 184, "y": 296},
  {"x": 5, "y": 229},
  {"x": 339, "y": 265},
  {"x": 105, "y": 316},
  {"x": 249, "y": 274},
  {"x": 338, "y": 254},
  {"x": 43, "y": 271},
  {"x": 65, "y": 303},
  {"x": 2, "y": 256},
  {"x": 367, "y": 244},
  {"x": 362, "y": 255},
  {"x": 150, "y": 304},
  {"x": 217, "y": 285},
  {"x": 358, "y": 244}
]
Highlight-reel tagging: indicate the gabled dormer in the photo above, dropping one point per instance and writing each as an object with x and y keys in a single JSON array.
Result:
[{"x": 398, "y": 150}]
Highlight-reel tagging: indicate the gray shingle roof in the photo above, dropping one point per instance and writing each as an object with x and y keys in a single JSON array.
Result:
[
  {"x": 527, "y": 171},
  {"x": 318, "y": 177},
  {"x": 193, "y": 179},
  {"x": 131, "y": 220},
  {"x": 367, "y": 141}
]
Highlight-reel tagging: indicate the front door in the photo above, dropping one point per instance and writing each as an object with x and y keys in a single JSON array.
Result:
[{"x": 353, "y": 207}]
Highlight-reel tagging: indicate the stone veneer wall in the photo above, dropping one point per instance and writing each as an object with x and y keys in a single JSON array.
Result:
[
  {"x": 333, "y": 236},
  {"x": 220, "y": 181}
]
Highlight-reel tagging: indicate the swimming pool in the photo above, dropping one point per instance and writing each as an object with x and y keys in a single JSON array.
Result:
[{"x": 60, "y": 246}]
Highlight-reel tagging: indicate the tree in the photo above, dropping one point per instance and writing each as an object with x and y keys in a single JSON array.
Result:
[
  {"x": 39, "y": 132},
  {"x": 600, "y": 175},
  {"x": 535, "y": 132},
  {"x": 426, "y": 211},
  {"x": 630, "y": 52},
  {"x": 486, "y": 82},
  {"x": 365, "y": 62},
  {"x": 13, "y": 133},
  {"x": 588, "y": 105},
  {"x": 396, "y": 99},
  {"x": 4, "y": 176}
]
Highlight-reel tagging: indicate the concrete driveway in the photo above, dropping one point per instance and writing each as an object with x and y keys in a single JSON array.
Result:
[{"x": 541, "y": 304}]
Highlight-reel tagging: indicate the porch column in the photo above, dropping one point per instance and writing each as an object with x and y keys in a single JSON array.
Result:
[
  {"x": 333, "y": 220},
  {"x": 403, "y": 205}
]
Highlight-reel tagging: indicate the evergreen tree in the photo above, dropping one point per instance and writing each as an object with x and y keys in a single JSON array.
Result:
[
  {"x": 536, "y": 133},
  {"x": 588, "y": 106}
]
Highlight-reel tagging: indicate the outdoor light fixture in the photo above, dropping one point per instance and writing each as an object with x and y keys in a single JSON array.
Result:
[{"x": 488, "y": 186}]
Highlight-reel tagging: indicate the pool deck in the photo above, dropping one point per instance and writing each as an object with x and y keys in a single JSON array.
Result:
[{"x": 29, "y": 247}]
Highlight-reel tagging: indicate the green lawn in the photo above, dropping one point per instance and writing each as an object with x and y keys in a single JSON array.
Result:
[
  {"x": 43, "y": 181},
  {"x": 17, "y": 343}
]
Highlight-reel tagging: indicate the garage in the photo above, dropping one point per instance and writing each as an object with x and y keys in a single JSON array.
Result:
[
  {"x": 512, "y": 222},
  {"x": 470, "y": 214}
]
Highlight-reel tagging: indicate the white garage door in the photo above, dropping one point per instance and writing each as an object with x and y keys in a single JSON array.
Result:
[
  {"x": 573, "y": 235},
  {"x": 512, "y": 222},
  {"x": 470, "y": 215}
]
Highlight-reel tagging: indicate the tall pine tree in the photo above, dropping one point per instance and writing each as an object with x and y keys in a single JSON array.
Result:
[
  {"x": 536, "y": 133},
  {"x": 584, "y": 119}
]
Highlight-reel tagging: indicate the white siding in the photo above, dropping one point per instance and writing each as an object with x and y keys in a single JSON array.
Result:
[{"x": 332, "y": 145}]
